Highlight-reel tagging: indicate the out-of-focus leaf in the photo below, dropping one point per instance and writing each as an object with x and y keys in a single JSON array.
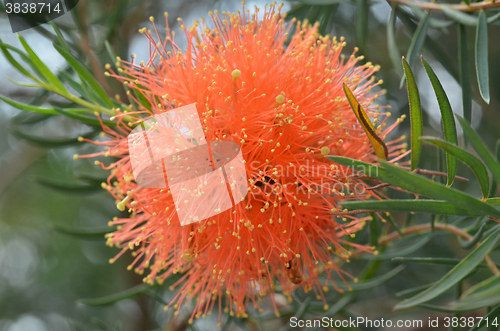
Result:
[
  {"x": 362, "y": 10},
  {"x": 433, "y": 260},
  {"x": 84, "y": 234},
  {"x": 406, "y": 247},
  {"x": 68, "y": 187},
  {"x": 482, "y": 70},
  {"x": 421, "y": 206},
  {"x": 377, "y": 143},
  {"x": 85, "y": 75},
  {"x": 449, "y": 127},
  {"x": 475, "y": 239},
  {"x": 484, "y": 294},
  {"x": 5, "y": 50},
  {"x": 36, "y": 109},
  {"x": 416, "y": 121},
  {"x": 321, "y": 2},
  {"x": 494, "y": 183},
  {"x": 84, "y": 119},
  {"x": 413, "y": 290},
  {"x": 459, "y": 17},
  {"x": 49, "y": 142},
  {"x": 463, "y": 63},
  {"x": 434, "y": 23},
  {"x": 113, "y": 298},
  {"x": 455, "y": 275},
  {"x": 480, "y": 148},
  {"x": 411, "y": 182},
  {"x": 494, "y": 312},
  {"x": 417, "y": 40},
  {"x": 392, "y": 45},
  {"x": 374, "y": 282},
  {"x": 430, "y": 45},
  {"x": 473, "y": 162},
  {"x": 49, "y": 76}
]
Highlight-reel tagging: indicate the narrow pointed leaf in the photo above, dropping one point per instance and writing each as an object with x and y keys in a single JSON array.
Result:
[
  {"x": 68, "y": 187},
  {"x": 480, "y": 148},
  {"x": 482, "y": 70},
  {"x": 49, "y": 76},
  {"x": 35, "y": 109},
  {"x": 418, "y": 40},
  {"x": 362, "y": 10},
  {"x": 449, "y": 127},
  {"x": 392, "y": 45},
  {"x": 473, "y": 162},
  {"x": 110, "y": 299},
  {"x": 49, "y": 142},
  {"x": 488, "y": 317},
  {"x": 433, "y": 260},
  {"x": 416, "y": 121},
  {"x": 463, "y": 62},
  {"x": 438, "y": 207},
  {"x": 459, "y": 17},
  {"x": 455, "y": 275},
  {"x": 431, "y": 45},
  {"x": 374, "y": 282},
  {"x": 405, "y": 248},
  {"x": 84, "y": 234},
  {"x": 420, "y": 185},
  {"x": 83, "y": 118},
  {"x": 377, "y": 143},
  {"x": 468, "y": 244},
  {"x": 484, "y": 294},
  {"x": 14, "y": 63},
  {"x": 435, "y": 190},
  {"x": 85, "y": 75}
]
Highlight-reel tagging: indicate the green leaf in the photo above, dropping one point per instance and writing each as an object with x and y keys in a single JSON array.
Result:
[
  {"x": 420, "y": 206},
  {"x": 50, "y": 111},
  {"x": 392, "y": 45},
  {"x": 433, "y": 260},
  {"x": 475, "y": 239},
  {"x": 374, "y": 282},
  {"x": 482, "y": 70},
  {"x": 84, "y": 234},
  {"x": 480, "y": 148},
  {"x": 5, "y": 50},
  {"x": 321, "y": 2},
  {"x": 404, "y": 247},
  {"x": 362, "y": 10},
  {"x": 459, "y": 17},
  {"x": 49, "y": 76},
  {"x": 493, "y": 313},
  {"x": 431, "y": 45},
  {"x": 412, "y": 290},
  {"x": 449, "y": 127},
  {"x": 473, "y": 162},
  {"x": 85, "y": 75},
  {"x": 68, "y": 187},
  {"x": 435, "y": 190},
  {"x": 417, "y": 40},
  {"x": 453, "y": 276},
  {"x": 463, "y": 63},
  {"x": 378, "y": 144},
  {"x": 84, "y": 119},
  {"x": 113, "y": 298},
  {"x": 416, "y": 121},
  {"x": 49, "y": 142},
  {"x": 411, "y": 182}
]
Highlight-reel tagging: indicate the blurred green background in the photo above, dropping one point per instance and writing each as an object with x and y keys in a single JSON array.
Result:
[{"x": 44, "y": 272}]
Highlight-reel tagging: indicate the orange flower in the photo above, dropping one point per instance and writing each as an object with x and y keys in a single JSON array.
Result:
[{"x": 279, "y": 97}]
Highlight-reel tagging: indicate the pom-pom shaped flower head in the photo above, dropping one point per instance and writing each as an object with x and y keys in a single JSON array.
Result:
[{"x": 278, "y": 97}]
